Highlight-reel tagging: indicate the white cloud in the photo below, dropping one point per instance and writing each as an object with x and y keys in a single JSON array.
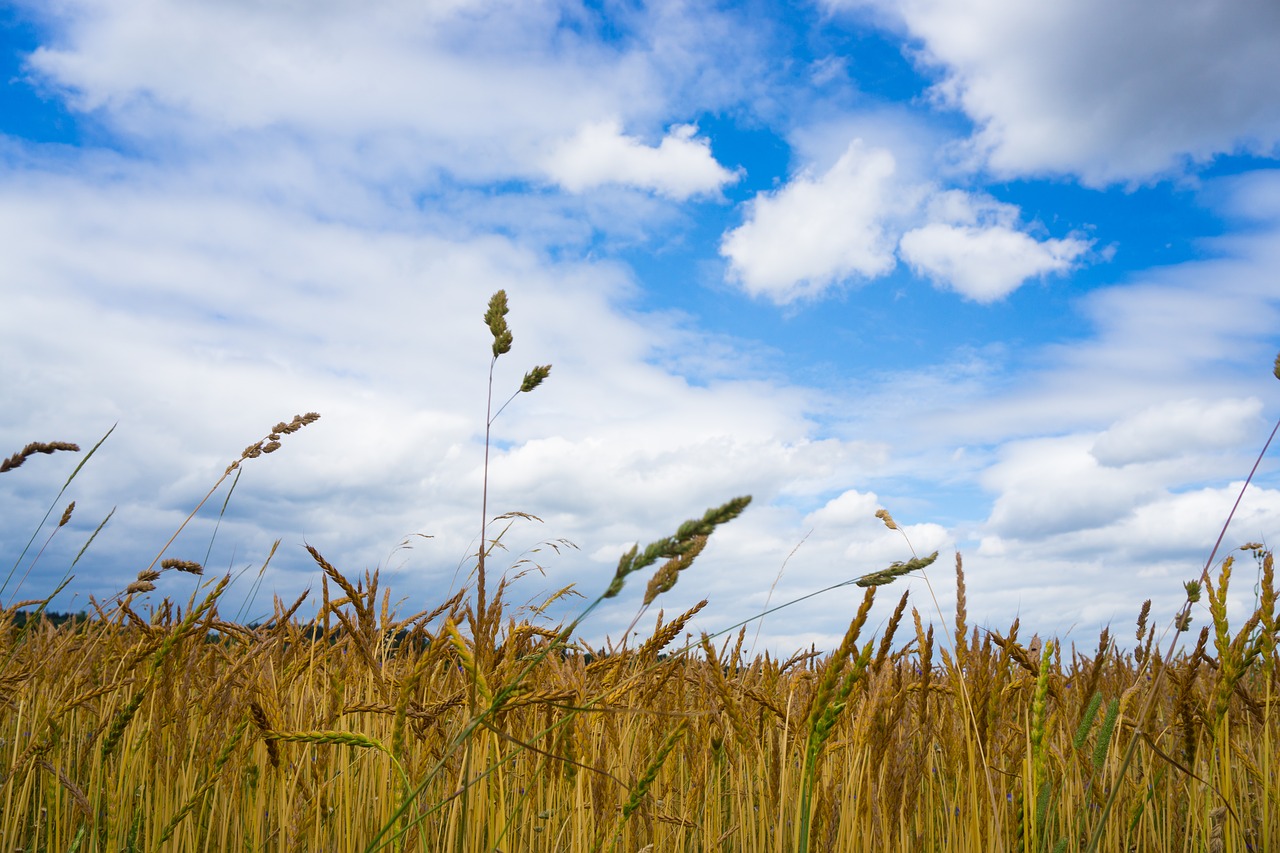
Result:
[
  {"x": 1050, "y": 485},
  {"x": 976, "y": 250},
  {"x": 818, "y": 230},
  {"x": 245, "y": 66},
  {"x": 823, "y": 229},
  {"x": 1177, "y": 428},
  {"x": 1100, "y": 574},
  {"x": 679, "y": 167},
  {"x": 984, "y": 264},
  {"x": 396, "y": 90},
  {"x": 1108, "y": 91}
]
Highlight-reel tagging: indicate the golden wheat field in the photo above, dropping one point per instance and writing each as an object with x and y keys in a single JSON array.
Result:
[
  {"x": 362, "y": 730},
  {"x": 473, "y": 727}
]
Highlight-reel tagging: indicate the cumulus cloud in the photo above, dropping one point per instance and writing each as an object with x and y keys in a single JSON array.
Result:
[
  {"x": 822, "y": 229},
  {"x": 818, "y": 230},
  {"x": 1108, "y": 91},
  {"x": 679, "y": 167},
  {"x": 976, "y": 249}
]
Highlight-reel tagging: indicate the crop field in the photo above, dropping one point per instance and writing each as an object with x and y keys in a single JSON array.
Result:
[{"x": 475, "y": 726}]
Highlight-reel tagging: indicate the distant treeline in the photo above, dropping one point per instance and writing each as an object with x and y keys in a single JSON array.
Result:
[
  {"x": 309, "y": 631},
  {"x": 22, "y": 617}
]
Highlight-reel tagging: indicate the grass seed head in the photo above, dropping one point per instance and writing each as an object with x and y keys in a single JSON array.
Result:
[
  {"x": 534, "y": 377},
  {"x": 187, "y": 566},
  {"x": 665, "y": 578},
  {"x": 271, "y": 443},
  {"x": 883, "y": 515},
  {"x": 33, "y": 448},
  {"x": 896, "y": 570},
  {"x": 298, "y": 422},
  {"x": 495, "y": 319},
  {"x": 684, "y": 540}
]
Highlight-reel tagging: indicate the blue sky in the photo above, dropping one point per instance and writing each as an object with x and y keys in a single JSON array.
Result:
[{"x": 1004, "y": 269}]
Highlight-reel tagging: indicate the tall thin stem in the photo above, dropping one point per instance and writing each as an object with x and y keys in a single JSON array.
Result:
[
  {"x": 478, "y": 626},
  {"x": 484, "y": 507}
]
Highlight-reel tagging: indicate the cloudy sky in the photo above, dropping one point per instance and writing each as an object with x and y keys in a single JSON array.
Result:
[{"x": 1007, "y": 270}]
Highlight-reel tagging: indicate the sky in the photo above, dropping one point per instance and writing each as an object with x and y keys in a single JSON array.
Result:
[{"x": 1006, "y": 270}]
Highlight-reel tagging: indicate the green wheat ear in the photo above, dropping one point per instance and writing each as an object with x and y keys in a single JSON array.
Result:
[
  {"x": 1276, "y": 371},
  {"x": 1086, "y": 721},
  {"x": 1099, "y": 756},
  {"x": 685, "y": 540},
  {"x": 896, "y": 570}
]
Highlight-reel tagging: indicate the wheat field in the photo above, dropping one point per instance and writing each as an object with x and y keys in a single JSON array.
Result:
[
  {"x": 154, "y": 724},
  {"x": 184, "y": 732}
]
